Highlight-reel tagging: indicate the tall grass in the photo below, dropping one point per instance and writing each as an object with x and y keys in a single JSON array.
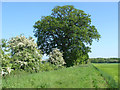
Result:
[{"x": 72, "y": 77}]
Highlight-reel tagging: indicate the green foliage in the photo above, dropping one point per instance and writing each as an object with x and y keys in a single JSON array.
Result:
[
  {"x": 48, "y": 67},
  {"x": 68, "y": 29},
  {"x": 82, "y": 59},
  {"x": 5, "y": 65},
  {"x": 4, "y": 55},
  {"x": 56, "y": 58},
  {"x": 20, "y": 53},
  {"x": 25, "y": 54}
]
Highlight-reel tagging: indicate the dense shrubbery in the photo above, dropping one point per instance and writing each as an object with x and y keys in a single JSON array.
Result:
[
  {"x": 20, "y": 53},
  {"x": 56, "y": 58},
  {"x": 5, "y": 57},
  {"x": 25, "y": 54},
  {"x": 48, "y": 67},
  {"x": 104, "y": 60},
  {"x": 82, "y": 60}
]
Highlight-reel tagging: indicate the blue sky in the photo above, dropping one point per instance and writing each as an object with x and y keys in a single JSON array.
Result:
[{"x": 18, "y": 18}]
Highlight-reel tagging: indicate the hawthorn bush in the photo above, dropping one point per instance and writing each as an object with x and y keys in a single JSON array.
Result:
[
  {"x": 5, "y": 65},
  {"x": 56, "y": 58},
  {"x": 19, "y": 53},
  {"x": 24, "y": 53}
]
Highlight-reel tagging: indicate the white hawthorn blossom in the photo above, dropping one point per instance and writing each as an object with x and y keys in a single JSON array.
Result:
[
  {"x": 3, "y": 73},
  {"x": 56, "y": 57},
  {"x": 25, "y": 51},
  {"x": 9, "y": 69}
]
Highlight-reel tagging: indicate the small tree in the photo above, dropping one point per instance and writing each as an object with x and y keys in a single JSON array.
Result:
[
  {"x": 56, "y": 57},
  {"x": 24, "y": 53}
]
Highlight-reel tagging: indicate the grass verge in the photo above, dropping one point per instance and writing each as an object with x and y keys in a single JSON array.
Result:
[{"x": 72, "y": 77}]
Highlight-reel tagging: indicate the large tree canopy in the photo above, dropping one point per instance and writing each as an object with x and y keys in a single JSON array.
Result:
[{"x": 68, "y": 29}]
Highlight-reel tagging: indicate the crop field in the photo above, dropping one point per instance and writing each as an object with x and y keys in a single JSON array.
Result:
[
  {"x": 72, "y": 77},
  {"x": 111, "y": 69}
]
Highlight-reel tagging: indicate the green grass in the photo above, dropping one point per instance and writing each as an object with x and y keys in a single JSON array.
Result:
[
  {"x": 111, "y": 69},
  {"x": 73, "y": 77}
]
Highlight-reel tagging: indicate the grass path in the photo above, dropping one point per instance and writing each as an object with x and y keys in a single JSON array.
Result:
[{"x": 73, "y": 77}]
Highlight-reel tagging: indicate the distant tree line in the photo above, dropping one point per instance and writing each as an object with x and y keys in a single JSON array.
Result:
[{"x": 104, "y": 60}]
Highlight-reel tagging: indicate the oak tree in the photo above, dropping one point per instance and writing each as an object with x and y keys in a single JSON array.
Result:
[{"x": 68, "y": 29}]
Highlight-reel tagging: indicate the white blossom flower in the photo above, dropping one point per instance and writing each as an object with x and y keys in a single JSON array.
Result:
[
  {"x": 25, "y": 63},
  {"x": 9, "y": 69},
  {"x": 2, "y": 73}
]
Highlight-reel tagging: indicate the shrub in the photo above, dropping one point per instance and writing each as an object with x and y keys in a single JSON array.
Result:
[
  {"x": 47, "y": 67},
  {"x": 5, "y": 65},
  {"x": 56, "y": 58},
  {"x": 23, "y": 54}
]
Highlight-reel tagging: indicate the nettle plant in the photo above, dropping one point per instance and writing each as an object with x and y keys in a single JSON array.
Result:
[
  {"x": 56, "y": 57},
  {"x": 24, "y": 53}
]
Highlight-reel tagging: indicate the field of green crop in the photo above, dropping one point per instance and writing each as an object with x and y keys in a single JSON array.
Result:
[
  {"x": 72, "y": 77},
  {"x": 111, "y": 69}
]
